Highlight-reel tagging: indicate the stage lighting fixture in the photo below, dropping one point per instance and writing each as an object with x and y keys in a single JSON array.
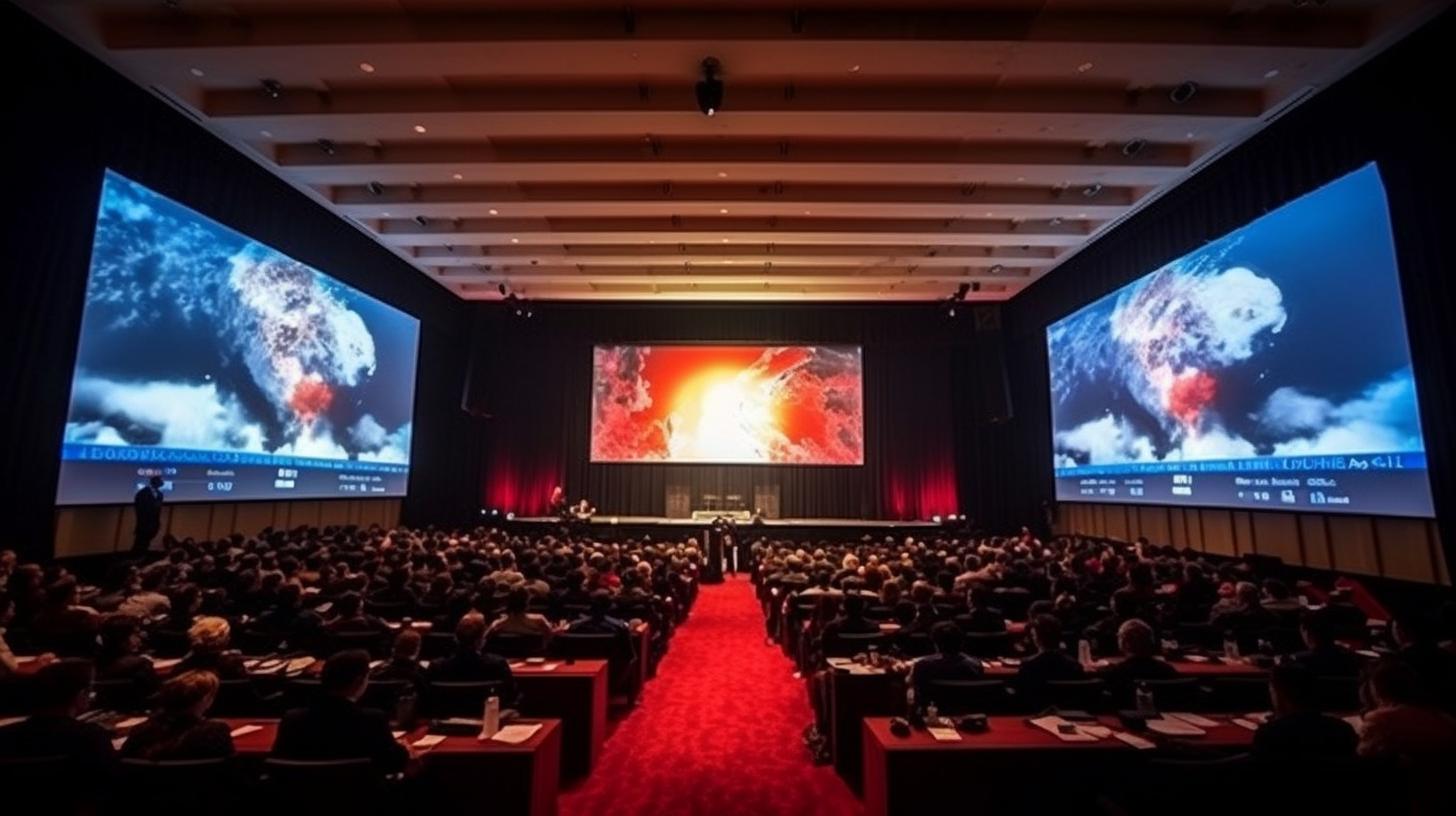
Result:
[
  {"x": 328, "y": 147},
  {"x": 511, "y": 516},
  {"x": 376, "y": 188},
  {"x": 1134, "y": 147},
  {"x": 421, "y": 220},
  {"x": 996, "y": 269},
  {"x": 1091, "y": 190},
  {"x": 710, "y": 88},
  {"x": 950, "y": 312},
  {"x": 272, "y": 88},
  {"x": 1184, "y": 92},
  {"x": 935, "y": 519}
]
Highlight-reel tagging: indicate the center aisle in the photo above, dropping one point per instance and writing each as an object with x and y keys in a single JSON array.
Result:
[{"x": 719, "y": 730}]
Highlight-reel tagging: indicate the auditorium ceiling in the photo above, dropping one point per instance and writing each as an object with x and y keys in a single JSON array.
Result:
[{"x": 862, "y": 151}]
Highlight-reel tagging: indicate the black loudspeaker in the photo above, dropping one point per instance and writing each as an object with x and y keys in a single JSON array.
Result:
[{"x": 992, "y": 397}]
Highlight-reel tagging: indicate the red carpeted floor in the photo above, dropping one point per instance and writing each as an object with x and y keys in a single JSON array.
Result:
[{"x": 717, "y": 731}]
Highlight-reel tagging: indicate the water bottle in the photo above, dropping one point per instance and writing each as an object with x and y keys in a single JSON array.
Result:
[
  {"x": 932, "y": 715},
  {"x": 490, "y": 723},
  {"x": 1145, "y": 703},
  {"x": 873, "y": 660},
  {"x": 1230, "y": 647},
  {"x": 1084, "y": 652}
]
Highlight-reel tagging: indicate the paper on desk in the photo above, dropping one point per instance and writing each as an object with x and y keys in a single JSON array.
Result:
[
  {"x": 397, "y": 734},
  {"x": 166, "y": 663},
  {"x": 1194, "y": 658},
  {"x": 4, "y": 721},
  {"x": 1191, "y": 719},
  {"x": 244, "y": 730},
  {"x": 117, "y": 743},
  {"x": 1174, "y": 727},
  {"x": 1243, "y": 723},
  {"x": 516, "y": 734},
  {"x": 944, "y": 734},
  {"x": 1098, "y": 731},
  {"x": 298, "y": 664},
  {"x": 1134, "y": 740},
  {"x": 130, "y": 722},
  {"x": 1356, "y": 722},
  {"x": 1051, "y": 725},
  {"x": 374, "y": 664},
  {"x": 429, "y": 741}
]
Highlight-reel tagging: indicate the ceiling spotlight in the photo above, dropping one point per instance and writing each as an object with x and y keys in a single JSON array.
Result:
[
  {"x": 1056, "y": 221},
  {"x": 493, "y": 211},
  {"x": 1084, "y": 67},
  {"x": 421, "y": 220},
  {"x": 722, "y": 174},
  {"x": 197, "y": 72},
  {"x": 366, "y": 67},
  {"x": 710, "y": 88},
  {"x": 996, "y": 269},
  {"x": 1091, "y": 190},
  {"x": 722, "y": 210},
  {"x": 328, "y": 147},
  {"x": 272, "y": 88},
  {"x": 1184, "y": 92},
  {"x": 375, "y": 187},
  {"x": 419, "y": 128},
  {"x": 515, "y": 240},
  {"x": 1271, "y": 73},
  {"x": 1134, "y": 147}
]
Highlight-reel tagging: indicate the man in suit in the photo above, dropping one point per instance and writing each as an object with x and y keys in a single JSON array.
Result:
[
  {"x": 948, "y": 662},
  {"x": 1050, "y": 662},
  {"x": 1298, "y": 730},
  {"x": 335, "y": 727},
  {"x": 1136, "y": 643},
  {"x": 469, "y": 665},
  {"x": 980, "y": 617},
  {"x": 1323, "y": 657},
  {"x": 148, "y": 505},
  {"x": 62, "y": 692}
]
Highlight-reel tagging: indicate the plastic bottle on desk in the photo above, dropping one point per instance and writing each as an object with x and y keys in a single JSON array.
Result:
[
  {"x": 1145, "y": 702},
  {"x": 1084, "y": 652},
  {"x": 1230, "y": 647},
  {"x": 932, "y": 715},
  {"x": 490, "y": 723}
]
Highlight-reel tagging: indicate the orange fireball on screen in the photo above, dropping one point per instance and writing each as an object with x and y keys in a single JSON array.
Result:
[{"x": 792, "y": 405}]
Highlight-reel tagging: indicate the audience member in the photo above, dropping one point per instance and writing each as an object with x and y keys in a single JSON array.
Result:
[
  {"x": 948, "y": 662},
  {"x": 179, "y": 730},
  {"x": 210, "y": 638},
  {"x": 1298, "y": 730},
  {"x": 334, "y": 726},
  {"x": 62, "y": 692}
]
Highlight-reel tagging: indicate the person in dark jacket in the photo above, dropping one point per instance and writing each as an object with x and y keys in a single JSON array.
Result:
[
  {"x": 404, "y": 661},
  {"x": 1050, "y": 662},
  {"x": 119, "y": 657},
  {"x": 335, "y": 726},
  {"x": 468, "y": 664},
  {"x": 1323, "y": 656},
  {"x": 62, "y": 693},
  {"x": 148, "y": 505},
  {"x": 179, "y": 730},
  {"x": 1136, "y": 643},
  {"x": 1298, "y": 731},
  {"x": 948, "y": 662}
]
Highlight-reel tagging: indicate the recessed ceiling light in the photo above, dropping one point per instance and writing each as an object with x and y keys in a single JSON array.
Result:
[
  {"x": 722, "y": 174},
  {"x": 266, "y": 134},
  {"x": 722, "y": 210},
  {"x": 1188, "y": 135},
  {"x": 419, "y": 128},
  {"x": 494, "y": 211},
  {"x": 808, "y": 212},
  {"x": 385, "y": 213},
  {"x": 197, "y": 72},
  {"x": 1084, "y": 67},
  {"x": 366, "y": 67},
  {"x": 1081, "y": 215},
  {"x": 1271, "y": 73},
  {"x": 1021, "y": 178},
  {"x": 725, "y": 240},
  {"x": 990, "y": 215},
  {"x": 515, "y": 240},
  {"x": 854, "y": 69},
  {"x": 458, "y": 176}
]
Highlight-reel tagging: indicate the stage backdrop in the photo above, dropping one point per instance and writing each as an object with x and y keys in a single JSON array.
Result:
[{"x": 923, "y": 376}]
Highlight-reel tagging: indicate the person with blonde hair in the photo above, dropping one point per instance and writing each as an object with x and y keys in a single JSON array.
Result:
[
  {"x": 210, "y": 638},
  {"x": 179, "y": 728}
]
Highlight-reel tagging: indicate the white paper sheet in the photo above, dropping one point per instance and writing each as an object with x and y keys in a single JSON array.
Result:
[
  {"x": 1174, "y": 727},
  {"x": 1052, "y": 725},
  {"x": 1191, "y": 719},
  {"x": 1134, "y": 740},
  {"x": 244, "y": 730},
  {"x": 516, "y": 734},
  {"x": 944, "y": 734},
  {"x": 429, "y": 741}
]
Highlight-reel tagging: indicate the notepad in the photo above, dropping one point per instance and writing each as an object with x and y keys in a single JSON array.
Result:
[
  {"x": 298, "y": 664},
  {"x": 130, "y": 722},
  {"x": 244, "y": 730},
  {"x": 516, "y": 734},
  {"x": 1195, "y": 658},
  {"x": 166, "y": 663},
  {"x": 117, "y": 743},
  {"x": 1134, "y": 740},
  {"x": 1054, "y": 725},
  {"x": 942, "y": 734},
  {"x": 1098, "y": 731},
  {"x": 429, "y": 741},
  {"x": 397, "y": 734},
  {"x": 1243, "y": 723},
  {"x": 1174, "y": 727},
  {"x": 1191, "y": 719},
  {"x": 4, "y": 721}
]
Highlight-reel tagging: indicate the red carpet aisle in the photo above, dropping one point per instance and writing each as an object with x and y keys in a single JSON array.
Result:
[{"x": 718, "y": 731}]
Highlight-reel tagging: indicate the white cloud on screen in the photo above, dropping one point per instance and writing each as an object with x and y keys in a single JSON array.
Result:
[
  {"x": 393, "y": 448},
  {"x": 1383, "y": 419},
  {"x": 181, "y": 415},
  {"x": 1107, "y": 440}
]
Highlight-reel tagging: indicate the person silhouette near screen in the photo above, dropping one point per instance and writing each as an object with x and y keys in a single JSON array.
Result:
[{"x": 148, "y": 504}]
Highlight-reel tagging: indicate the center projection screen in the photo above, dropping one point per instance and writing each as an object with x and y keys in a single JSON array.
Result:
[
  {"x": 228, "y": 369},
  {"x": 1268, "y": 369},
  {"x": 775, "y": 405}
]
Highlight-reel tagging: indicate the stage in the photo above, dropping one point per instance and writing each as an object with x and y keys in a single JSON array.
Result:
[{"x": 612, "y": 526}]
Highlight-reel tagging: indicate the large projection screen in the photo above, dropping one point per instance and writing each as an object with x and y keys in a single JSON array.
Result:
[
  {"x": 228, "y": 369},
  {"x": 1268, "y": 369},
  {"x": 778, "y": 405}
]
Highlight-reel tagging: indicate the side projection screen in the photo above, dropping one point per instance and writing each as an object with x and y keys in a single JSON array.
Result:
[
  {"x": 228, "y": 369},
  {"x": 1268, "y": 369},
  {"x": 778, "y": 405}
]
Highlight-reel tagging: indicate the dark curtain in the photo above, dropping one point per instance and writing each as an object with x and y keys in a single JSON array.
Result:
[
  {"x": 1391, "y": 111},
  {"x": 532, "y": 377},
  {"x": 72, "y": 118}
]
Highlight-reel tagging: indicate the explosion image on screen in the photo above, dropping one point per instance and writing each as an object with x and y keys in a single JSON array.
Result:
[
  {"x": 198, "y": 338},
  {"x": 748, "y": 404},
  {"x": 1285, "y": 338}
]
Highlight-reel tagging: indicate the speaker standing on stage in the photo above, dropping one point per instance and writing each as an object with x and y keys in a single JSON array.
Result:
[
  {"x": 557, "y": 505},
  {"x": 148, "y": 504}
]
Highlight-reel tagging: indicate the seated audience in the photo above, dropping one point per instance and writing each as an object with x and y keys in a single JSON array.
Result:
[
  {"x": 179, "y": 729},
  {"x": 1050, "y": 662},
  {"x": 1322, "y": 655},
  {"x": 334, "y": 726},
  {"x": 63, "y": 624},
  {"x": 119, "y": 656},
  {"x": 1138, "y": 647},
  {"x": 62, "y": 693},
  {"x": 1402, "y": 722},
  {"x": 1298, "y": 730},
  {"x": 980, "y": 617},
  {"x": 350, "y": 617},
  {"x": 210, "y": 638},
  {"x": 148, "y": 601},
  {"x": 468, "y": 664},
  {"x": 404, "y": 661},
  {"x": 1418, "y": 637},
  {"x": 518, "y": 621},
  {"x": 948, "y": 662},
  {"x": 851, "y": 619}
]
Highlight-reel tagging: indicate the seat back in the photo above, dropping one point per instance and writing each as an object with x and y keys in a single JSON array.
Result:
[
  {"x": 510, "y": 644},
  {"x": 987, "y": 644},
  {"x": 436, "y": 645},
  {"x": 371, "y": 642},
  {"x": 967, "y": 696},
  {"x": 176, "y": 786},
  {"x": 1240, "y": 694},
  {"x": 1085, "y": 695},
  {"x": 383, "y": 695},
  {"x": 328, "y": 786},
  {"x": 121, "y": 694},
  {"x": 915, "y": 644},
  {"x": 239, "y": 698},
  {"x": 586, "y": 646},
  {"x": 1173, "y": 694},
  {"x": 388, "y": 610},
  {"x": 464, "y": 699},
  {"x": 168, "y": 643},
  {"x": 1338, "y": 693}
]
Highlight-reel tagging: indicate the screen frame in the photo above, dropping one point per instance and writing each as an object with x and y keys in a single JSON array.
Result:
[
  {"x": 84, "y": 295},
  {"x": 859, "y": 348}
]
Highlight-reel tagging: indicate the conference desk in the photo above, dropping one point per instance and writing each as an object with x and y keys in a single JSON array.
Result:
[
  {"x": 574, "y": 693},
  {"x": 856, "y": 692},
  {"x": 1009, "y": 761},
  {"x": 487, "y": 776}
]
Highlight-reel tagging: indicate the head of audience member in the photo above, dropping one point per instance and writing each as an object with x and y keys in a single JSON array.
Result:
[
  {"x": 1390, "y": 681},
  {"x": 210, "y": 635},
  {"x": 63, "y": 688},
  {"x": 1293, "y": 689},
  {"x": 189, "y": 694},
  {"x": 1414, "y": 629},
  {"x": 62, "y": 594},
  {"x": 1135, "y": 639},
  {"x": 1046, "y": 633},
  {"x": 121, "y": 635},
  {"x": 1276, "y": 590},
  {"x": 346, "y": 675},
  {"x": 1248, "y": 595},
  {"x": 853, "y": 605},
  {"x": 600, "y": 604},
  {"x": 947, "y": 638},
  {"x": 406, "y": 646},
  {"x": 518, "y": 600},
  {"x": 980, "y": 596},
  {"x": 348, "y": 605},
  {"x": 1317, "y": 629},
  {"x": 470, "y": 632},
  {"x": 1125, "y": 604}
]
